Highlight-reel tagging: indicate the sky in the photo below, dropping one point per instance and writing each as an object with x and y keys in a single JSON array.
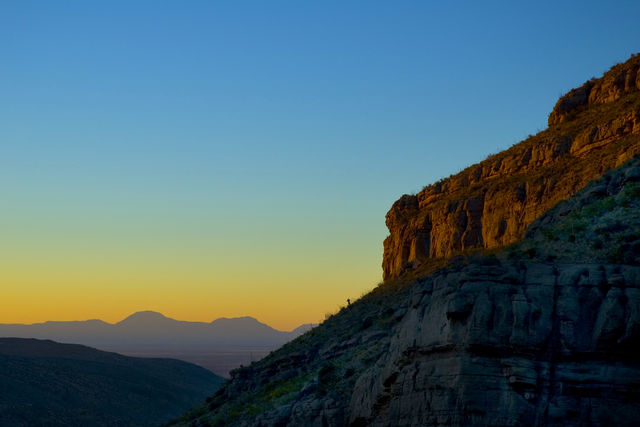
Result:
[{"x": 221, "y": 159}]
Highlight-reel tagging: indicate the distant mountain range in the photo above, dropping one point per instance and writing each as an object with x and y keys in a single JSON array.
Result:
[
  {"x": 53, "y": 384},
  {"x": 219, "y": 346}
]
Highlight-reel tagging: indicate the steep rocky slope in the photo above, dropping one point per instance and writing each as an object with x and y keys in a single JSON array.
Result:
[
  {"x": 592, "y": 129},
  {"x": 540, "y": 333}
]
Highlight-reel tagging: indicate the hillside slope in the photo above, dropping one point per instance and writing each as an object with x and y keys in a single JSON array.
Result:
[
  {"x": 52, "y": 384},
  {"x": 540, "y": 332},
  {"x": 592, "y": 129}
]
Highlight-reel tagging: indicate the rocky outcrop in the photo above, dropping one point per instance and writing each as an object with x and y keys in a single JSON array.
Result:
[
  {"x": 511, "y": 344},
  {"x": 593, "y": 129},
  {"x": 620, "y": 80},
  {"x": 543, "y": 334}
]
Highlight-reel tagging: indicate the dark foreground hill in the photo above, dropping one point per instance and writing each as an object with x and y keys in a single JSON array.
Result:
[
  {"x": 44, "y": 383},
  {"x": 543, "y": 332},
  {"x": 219, "y": 346}
]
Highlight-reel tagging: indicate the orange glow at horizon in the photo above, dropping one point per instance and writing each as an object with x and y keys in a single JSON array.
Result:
[
  {"x": 86, "y": 266},
  {"x": 283, "y": 295}
]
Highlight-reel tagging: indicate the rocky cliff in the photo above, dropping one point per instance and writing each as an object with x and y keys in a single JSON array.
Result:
[
  {"x": 510, "y": 344},
  {"x": 541, "y": 333},
  {"x": 592, "y": 129}
]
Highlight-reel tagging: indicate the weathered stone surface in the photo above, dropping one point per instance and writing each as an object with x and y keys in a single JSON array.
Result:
[
  {"x": 490, "y": 204},
  {"x": 621, "y": 79},
  {"x": 543, "y": 351}
]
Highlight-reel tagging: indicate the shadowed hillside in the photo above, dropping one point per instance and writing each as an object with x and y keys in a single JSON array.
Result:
[{"x": 52, "y": 384}]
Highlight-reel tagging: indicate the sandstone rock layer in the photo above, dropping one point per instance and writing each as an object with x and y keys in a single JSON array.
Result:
[{"x": 593, "y": 129}]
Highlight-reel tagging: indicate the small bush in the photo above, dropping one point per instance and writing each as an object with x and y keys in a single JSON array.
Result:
[
  {"x": 326, "y": 378},
  {"x": 617, "y": 256},
  {"x": 367, "y": 323}
]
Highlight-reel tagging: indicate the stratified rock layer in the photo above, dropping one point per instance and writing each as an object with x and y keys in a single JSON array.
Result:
[
  {"x": 593, "y": 129},
  {"x": 620, "y": 80},
  {"x": 510, "y": 345}
]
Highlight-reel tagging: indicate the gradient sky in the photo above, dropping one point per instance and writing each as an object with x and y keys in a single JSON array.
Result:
[{"x": 207, "y": 159}]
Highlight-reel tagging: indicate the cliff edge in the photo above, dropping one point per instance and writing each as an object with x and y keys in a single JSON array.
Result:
[{"x": 592, "y": 129}]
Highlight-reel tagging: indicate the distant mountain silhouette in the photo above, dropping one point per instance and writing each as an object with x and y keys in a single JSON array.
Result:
[
  {"x": 220, "y": 345},
  {"x": 53, "y": 384}
]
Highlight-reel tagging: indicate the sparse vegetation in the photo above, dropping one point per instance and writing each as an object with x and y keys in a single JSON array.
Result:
[{"x": 598, "y": 224}]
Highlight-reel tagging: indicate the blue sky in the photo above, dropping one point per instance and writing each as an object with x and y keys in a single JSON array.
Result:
[{"x": 273, "y": 131}]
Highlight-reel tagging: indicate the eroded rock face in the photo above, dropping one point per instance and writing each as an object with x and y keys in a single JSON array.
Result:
[
  {"x": 513, "y": 340},
  {"x": 511, "y": 344},
  {"x": 491, "y": 204},
  {"x": 621, "y": 79}
]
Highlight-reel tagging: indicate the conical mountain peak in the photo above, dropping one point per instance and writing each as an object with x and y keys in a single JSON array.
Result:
[{"x": 146, "y": 316}]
